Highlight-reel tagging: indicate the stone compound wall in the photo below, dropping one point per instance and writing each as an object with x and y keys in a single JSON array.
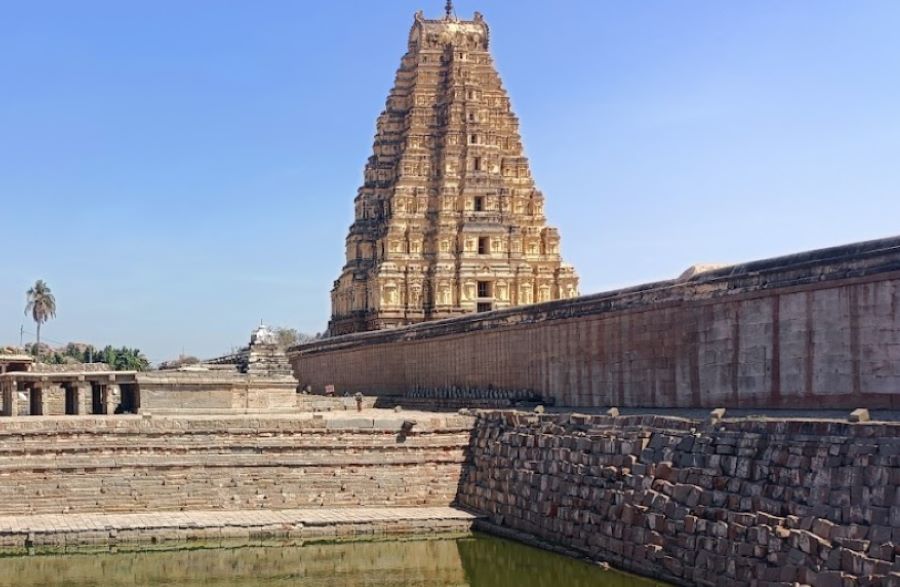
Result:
[
  {"x": 807, "y": 330},
  {"x": 133, "y": 464},
  {"x": 776, "y": 502}
]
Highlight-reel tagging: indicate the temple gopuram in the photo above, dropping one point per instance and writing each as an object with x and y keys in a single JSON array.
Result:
[{"x": 448, "y": 220}]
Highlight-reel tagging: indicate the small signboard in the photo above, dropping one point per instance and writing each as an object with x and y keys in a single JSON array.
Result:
[{"x": 329, "y": 390}]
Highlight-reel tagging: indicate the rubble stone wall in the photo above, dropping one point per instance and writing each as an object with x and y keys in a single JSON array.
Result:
[
  {"x": 776, "y": 502},
  {"x": 802, "y": 331},
  {"x": 134, "y": 464}
]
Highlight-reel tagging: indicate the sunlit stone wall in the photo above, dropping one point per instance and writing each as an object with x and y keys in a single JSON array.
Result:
[
  {"x": 134, "y": 464},
  {"x": 811, "y": 330},
  {"x": 737, "y": 502}
]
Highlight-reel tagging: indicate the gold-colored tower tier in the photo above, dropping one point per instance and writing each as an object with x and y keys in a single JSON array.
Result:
[{"x": 448, "y": 220}]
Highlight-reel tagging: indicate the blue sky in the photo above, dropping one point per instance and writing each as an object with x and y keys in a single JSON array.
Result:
[{"x": 179, "y": 170}]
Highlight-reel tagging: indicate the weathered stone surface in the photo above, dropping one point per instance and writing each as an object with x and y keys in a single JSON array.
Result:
[
  {"x": 743, "y": 502},
  {"x": 859, "y": 415},
  {"x": 133, "y": 464},
  {"x": 819, "y": 329},
  {"x": 257, "y": 379},
  {"x": 118, "y": 529},
  {"x": 264, "y": 358},
  {"x": 210, "y": 392}
]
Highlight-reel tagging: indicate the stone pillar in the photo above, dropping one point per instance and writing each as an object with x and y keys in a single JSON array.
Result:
[
  {"x": 18, "y": 401},
  {"x": 53, "y": 399},
  {"x": 112, "y": 396},
  {"x": 83, "y": 397}
]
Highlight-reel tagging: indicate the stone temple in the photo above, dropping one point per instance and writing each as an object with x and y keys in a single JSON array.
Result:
[{"x": 448, "y": 220}]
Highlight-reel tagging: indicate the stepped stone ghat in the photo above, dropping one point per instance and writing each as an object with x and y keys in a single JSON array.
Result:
[
  {"x": 691, "y": 502},
  {"x": 135, "y": 464}
]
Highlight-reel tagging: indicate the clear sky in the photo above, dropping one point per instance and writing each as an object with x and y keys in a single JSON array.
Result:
[{"x": 178, "y": 170}]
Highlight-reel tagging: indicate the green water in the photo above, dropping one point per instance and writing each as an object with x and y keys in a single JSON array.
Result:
[{"x": 475, "y": 561}]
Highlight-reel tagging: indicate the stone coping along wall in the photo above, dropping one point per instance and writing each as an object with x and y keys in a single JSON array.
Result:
[{"x": 799, "y": 331}]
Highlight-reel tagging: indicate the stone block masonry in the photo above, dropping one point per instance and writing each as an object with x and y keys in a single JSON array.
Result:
[
  {"x": 809, "y": 330},
  {"x": 133, "y": 464},
  {"x": 72, "y": 530},
  {"x": 722, "y": 502},
  {"x": 737, "y": 502},
  {"x": 184, "y": 393}
]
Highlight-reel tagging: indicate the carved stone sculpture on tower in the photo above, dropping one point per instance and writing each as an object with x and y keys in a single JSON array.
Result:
[{"x": 448, "y": 220}]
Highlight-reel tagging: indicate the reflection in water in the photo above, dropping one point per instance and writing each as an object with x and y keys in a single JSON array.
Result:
[
  {"x": 494, "y": 562},
  {"x": 478, "y": 561}
]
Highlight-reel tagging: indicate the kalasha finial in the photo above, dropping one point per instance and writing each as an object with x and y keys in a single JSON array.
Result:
[{"x": 448, "y": 8}]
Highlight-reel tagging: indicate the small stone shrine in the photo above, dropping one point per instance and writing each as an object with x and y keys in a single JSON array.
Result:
[{"x": 264, "y": 357}]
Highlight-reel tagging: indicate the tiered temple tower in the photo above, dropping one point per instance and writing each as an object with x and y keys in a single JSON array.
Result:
[{"x": 448, "y": 220}]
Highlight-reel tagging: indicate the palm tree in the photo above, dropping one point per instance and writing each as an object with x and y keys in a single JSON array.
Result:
[{"x": 42, "y": 306}]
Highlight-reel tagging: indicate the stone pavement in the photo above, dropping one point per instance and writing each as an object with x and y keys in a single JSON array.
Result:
[{"x": 78, "y": 529}]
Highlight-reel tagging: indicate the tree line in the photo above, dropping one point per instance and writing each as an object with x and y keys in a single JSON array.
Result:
[
  {"x": 41, "y": 305},
  {"x": 119, "y": 359}
]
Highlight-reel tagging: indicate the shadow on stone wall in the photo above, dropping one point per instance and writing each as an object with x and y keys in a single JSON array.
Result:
[{"x": 454, "y": 398}]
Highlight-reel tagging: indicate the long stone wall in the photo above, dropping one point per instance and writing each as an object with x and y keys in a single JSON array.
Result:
[
  {"x": 726, "y": 503},
  {"x": 809, "y": 330},
  {"x": 134, "y": 464}
]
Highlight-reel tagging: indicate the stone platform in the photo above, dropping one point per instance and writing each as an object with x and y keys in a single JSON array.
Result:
[{"x": 63, "y": 530}]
